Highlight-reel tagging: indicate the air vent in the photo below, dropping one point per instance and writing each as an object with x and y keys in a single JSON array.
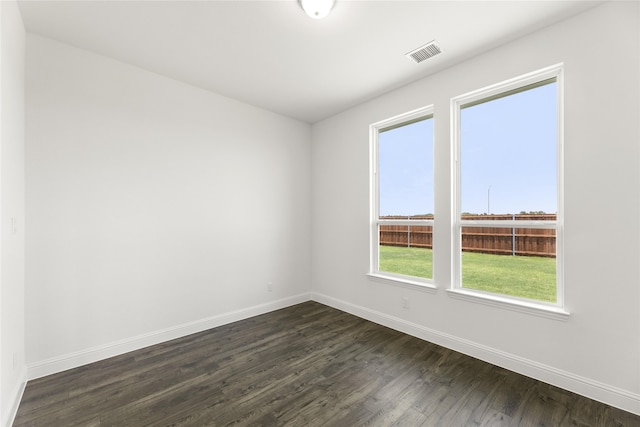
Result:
[{"x": 425, "y": 52}]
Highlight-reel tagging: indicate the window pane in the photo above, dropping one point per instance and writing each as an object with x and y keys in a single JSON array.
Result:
[
  {"x": 406, "y": 250},
  {"x": 508, "y": 172},
  {"x": 405, "y": 191},
  {"x": 405, "y": 169},
  {"x": 488, "y": 263},
  {"x": 508, "y": 153}
]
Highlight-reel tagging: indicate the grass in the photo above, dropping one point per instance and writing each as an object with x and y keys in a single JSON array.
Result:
[
  {"x": 520, "y": 276},
  {"x": 408, "y": 261}
]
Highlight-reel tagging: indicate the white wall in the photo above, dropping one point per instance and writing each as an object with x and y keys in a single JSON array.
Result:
[
  {"x": 597, "y": 351},
  {"x": 154, "y": 208},
  {"x": 12, "y": 130}
]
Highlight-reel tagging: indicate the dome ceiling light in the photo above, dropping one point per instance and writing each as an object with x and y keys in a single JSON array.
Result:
[{"x": 317, "y": 9}]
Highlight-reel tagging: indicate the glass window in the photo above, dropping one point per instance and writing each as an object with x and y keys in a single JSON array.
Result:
[
  {"x": 508, "y": 189},
  {"x": 402, "y": 196}
]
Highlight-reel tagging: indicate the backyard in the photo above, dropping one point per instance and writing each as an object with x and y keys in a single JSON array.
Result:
[{"x": 520, "y": 276}]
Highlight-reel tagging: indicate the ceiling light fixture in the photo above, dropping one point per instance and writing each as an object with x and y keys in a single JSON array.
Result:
[{"x": 317, "y": 9}]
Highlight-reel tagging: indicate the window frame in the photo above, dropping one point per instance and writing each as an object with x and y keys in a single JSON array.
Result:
[
  {"x": 487, "y": 94},
  {"x": 423, "y": 113}
]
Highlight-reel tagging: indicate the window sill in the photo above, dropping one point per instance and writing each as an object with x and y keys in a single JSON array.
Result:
[
  {"x": 403, "y": 282},
  {"x": 541, "y": 310}
]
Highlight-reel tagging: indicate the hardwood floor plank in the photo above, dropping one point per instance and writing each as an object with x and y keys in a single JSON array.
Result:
[{"x": 306, "y": 365}]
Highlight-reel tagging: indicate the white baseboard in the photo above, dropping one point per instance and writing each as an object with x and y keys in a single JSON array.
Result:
[
  {"x": 592, "y": 389},
  {"x": 74, "y": 360},
  {"x": 14, "y": 400}
]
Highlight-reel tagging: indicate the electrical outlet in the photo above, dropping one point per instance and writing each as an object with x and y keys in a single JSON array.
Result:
[
  {"x": 269, "y": 287},
  {"x": 405, "y": 302}
]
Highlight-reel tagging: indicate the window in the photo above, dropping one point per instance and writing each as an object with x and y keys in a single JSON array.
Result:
[
  {"x": 402, "y": 198},
  {"x": 508, "y": 190}
]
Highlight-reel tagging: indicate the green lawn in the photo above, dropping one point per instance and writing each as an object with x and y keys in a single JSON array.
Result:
[
  {"x": 408, "y": 261},
  {"x": 521, "y": 276}
]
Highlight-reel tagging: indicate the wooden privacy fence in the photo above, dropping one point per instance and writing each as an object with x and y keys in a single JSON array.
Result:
[{"x": 493, "y": 240}]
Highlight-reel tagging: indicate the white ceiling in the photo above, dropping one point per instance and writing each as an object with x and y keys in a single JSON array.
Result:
[{"x": 271, "y": 55}]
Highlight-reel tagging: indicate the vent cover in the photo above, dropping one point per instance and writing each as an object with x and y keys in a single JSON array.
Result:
[{"x": 425, "y": 52}]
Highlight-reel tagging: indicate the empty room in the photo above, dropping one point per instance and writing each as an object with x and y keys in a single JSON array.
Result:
[{"x": 319, "y": 213}]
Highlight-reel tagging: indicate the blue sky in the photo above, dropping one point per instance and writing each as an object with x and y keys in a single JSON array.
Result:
[
  {"x": 509, "y": 144},
  {"x": 508, "y": 158},
  {"x": 406, "y": 169}
]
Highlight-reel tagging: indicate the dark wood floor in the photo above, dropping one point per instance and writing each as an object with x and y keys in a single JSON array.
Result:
[{"x": 307, "y": 365}]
